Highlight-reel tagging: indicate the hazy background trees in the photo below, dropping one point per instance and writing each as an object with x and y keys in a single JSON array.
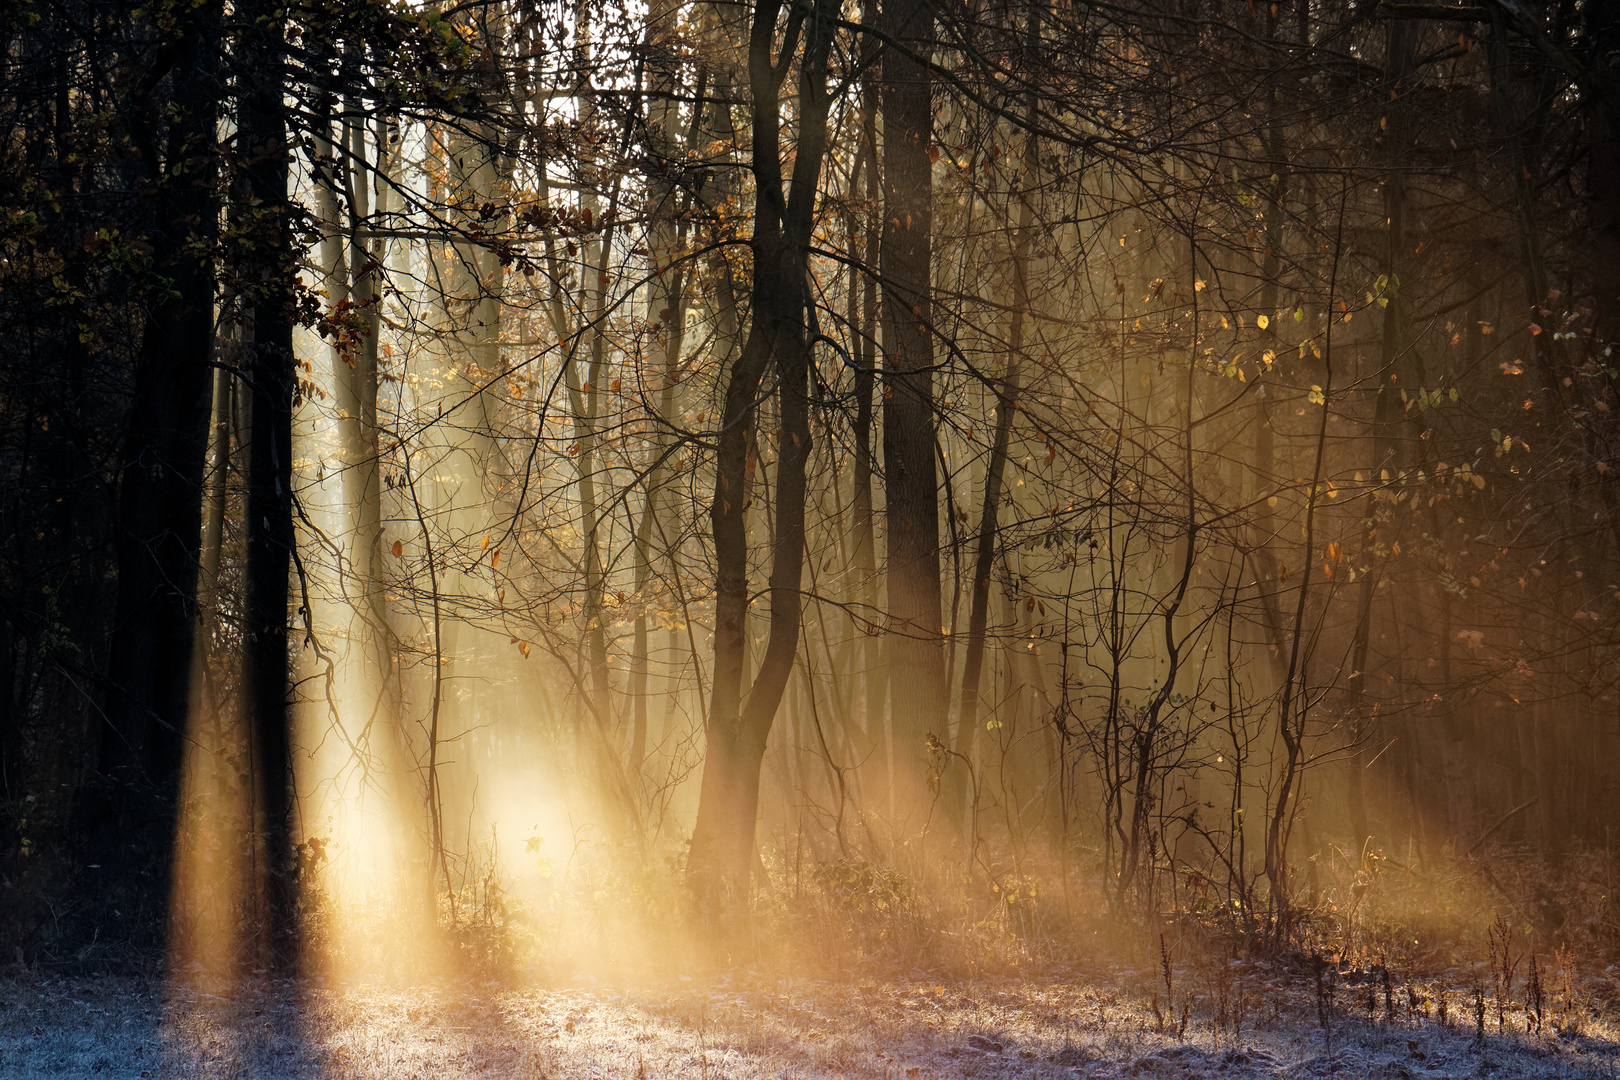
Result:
[{"x": 465, "y": 464}]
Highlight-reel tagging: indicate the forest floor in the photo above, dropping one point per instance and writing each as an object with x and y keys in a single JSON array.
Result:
[{"x": 1044, "y": 1024}]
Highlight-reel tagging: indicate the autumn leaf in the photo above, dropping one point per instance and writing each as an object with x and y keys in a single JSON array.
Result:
[
  {"x": 495, "y": 559},
  {"x": 1262, "y": 322},
  {"x": 398, "y": 549},
  {"x": 485, "y": 545}
]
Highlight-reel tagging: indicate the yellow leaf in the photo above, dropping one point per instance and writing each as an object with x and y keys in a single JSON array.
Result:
[
  {"x": 495, "y": 559},
  {"x": 1262, "y": 322},
  {"x": 485, "y": 545}
]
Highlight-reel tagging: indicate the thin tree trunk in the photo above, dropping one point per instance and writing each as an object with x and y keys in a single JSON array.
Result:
[
  {"x": 864, "y": 328},
  {"x": 666, "y": 309},
  {"x": 985, "y": 556}
]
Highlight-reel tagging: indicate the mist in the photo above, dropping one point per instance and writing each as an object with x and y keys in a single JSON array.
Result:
[{"x": 526, "y": 494}]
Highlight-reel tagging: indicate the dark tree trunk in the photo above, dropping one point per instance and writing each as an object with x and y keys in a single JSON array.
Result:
[
  {"x": 263, "y": 144},
  {"x": 911, "y": 490},
  {"x": 160, "y": 491},
  {"x": 1603, "y": 173},
  {"x": 740, "y": 715}
]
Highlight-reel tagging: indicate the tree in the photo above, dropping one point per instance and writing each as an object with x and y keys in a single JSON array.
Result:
[{"x": 742, "y": 709}]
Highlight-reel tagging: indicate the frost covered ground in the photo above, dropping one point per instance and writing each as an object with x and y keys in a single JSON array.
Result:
[{"x": 1053, "y": 1024}]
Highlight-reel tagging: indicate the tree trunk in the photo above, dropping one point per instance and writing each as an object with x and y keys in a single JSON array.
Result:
[
  {"x": 1603, "y": 175},
  {"x": 863, "y": 304},
  {"x": 262, "y": 139},
  {"x": 911, "y": 488},
  {"x": 740, "y": 717},
  {"x": 666, "y": 306},
  {"x": 160, "y": 492},
  {"x": 985, "y": 556}
]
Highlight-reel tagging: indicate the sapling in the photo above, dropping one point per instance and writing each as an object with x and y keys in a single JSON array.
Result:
[
  {"x": 1503, "y": 966},
  {"x": 1324, "y": 1002},
  {"x": 1533, "y": 995}
]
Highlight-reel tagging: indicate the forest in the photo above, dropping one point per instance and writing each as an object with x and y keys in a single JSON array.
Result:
[{"x": 901, "y": 493}]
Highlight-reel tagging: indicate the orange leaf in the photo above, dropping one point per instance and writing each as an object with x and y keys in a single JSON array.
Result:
[
  {"x": 495, "y": 559},
  {"x": 398, "y": 549},
  {"x": 485, "y": 545}
]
